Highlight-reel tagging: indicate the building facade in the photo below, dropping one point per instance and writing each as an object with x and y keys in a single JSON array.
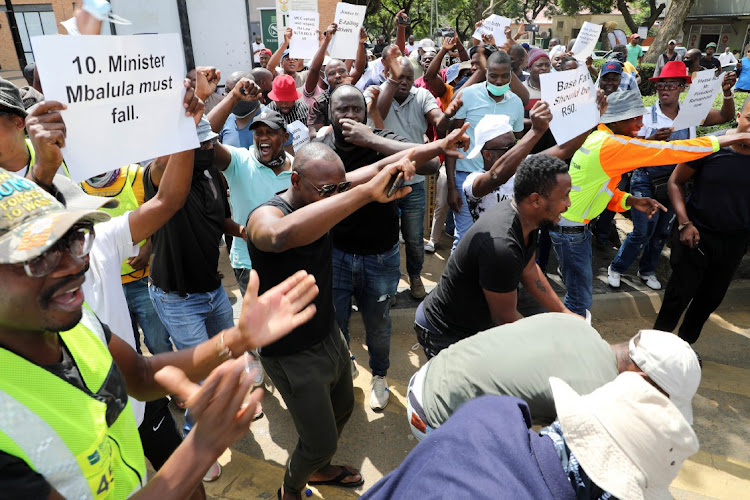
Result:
[{"x": 723, "y": 22}]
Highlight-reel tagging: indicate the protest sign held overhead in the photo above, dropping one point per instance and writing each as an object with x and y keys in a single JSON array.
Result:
[
  {"x": 349, "y": 19},
  {"x": 304, "y": 42},
  {"x": 700, "y": 97},
  {"x": 124, "y": 96},
  {"x": 494, "y": 25},
  {"x": 586, "y": 40},
  {"x": 571, "y": 96}
]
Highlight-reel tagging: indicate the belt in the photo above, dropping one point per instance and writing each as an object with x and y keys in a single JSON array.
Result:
[
  {"x": 418, "y": 418},
  {"x": 569, "y": 229}
]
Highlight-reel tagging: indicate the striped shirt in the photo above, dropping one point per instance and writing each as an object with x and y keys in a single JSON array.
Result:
[{"x": 298, "y": 112}]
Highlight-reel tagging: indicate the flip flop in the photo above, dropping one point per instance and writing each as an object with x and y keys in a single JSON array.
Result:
[{"x": 337, "y": 481}]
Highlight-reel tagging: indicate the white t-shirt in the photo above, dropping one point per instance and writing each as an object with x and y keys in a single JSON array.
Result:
[
  {"x": 102, "y": 289},
  {"x": 410, "y": 47},
  {"x": 257, "y": 47},
  {"x": 477, "y": 206},
  {"x": 727, "y": 58}
]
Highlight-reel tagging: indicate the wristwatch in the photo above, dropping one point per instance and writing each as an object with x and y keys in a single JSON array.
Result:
[{"x": 683, "y": 225}]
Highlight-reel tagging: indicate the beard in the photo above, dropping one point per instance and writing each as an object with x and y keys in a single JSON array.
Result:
[{"x": 547, "y": 224}]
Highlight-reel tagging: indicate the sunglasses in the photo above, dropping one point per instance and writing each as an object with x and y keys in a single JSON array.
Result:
[
  {"x": 78, "y": 242},
  {"x": 669, "y": 86},
  {"x": 327, "y": 189}
]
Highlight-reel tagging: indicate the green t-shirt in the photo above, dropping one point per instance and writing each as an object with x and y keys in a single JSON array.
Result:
[
  {"x": 517, "y": 359},
  {"x": 634, "y": 52}
]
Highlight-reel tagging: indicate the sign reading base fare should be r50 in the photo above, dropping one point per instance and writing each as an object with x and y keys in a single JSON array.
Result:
[
  {"x": 124, "y": 97},
  {"x": 571, "y": 96}
]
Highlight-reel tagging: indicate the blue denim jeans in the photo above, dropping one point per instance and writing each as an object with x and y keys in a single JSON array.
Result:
[
  {"x": 649, "y": 235},
  {"x": 143, "y": 314},
  {"x": 412, "y": 207},
  {"x": 462, "y": 219},
  {"x": 193, "y": 318},
  {"x": 573, "y": 252},
  {"x": 372, "y": 280}
]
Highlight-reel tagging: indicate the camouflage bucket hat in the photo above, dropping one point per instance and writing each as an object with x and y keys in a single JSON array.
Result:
[{"x": 31, "y": 220}]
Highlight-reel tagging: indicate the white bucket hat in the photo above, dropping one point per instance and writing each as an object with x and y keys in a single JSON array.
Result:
[
  {"x": 628, "y": 437},
  {"x": 489, "y": 127},
  {"x": 671, "y": 363}
]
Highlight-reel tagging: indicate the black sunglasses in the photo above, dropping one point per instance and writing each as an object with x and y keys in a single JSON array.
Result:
[{"x": 327, "y": 189}]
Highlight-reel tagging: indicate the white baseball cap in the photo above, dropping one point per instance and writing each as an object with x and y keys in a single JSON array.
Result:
[
  {"x": 489, "y": 127},
  {"x": 426, "y": 42},
  {"x": 671, "y": 363},
  {"x": 629, "y": 438}
]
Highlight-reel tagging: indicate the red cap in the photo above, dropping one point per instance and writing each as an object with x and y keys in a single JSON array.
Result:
[
  {"x": 284, "y": 89},
  {"x": 673, "y": 69},
  {"x": 634, "y": 36},
  {"x": 265, "y": 51}
]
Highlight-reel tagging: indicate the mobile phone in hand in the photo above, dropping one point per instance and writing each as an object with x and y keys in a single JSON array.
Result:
[
  {"x": 397, "y": 183},
  {"x": 404, "y": 21},
  {"x": 531, "y": 27}
]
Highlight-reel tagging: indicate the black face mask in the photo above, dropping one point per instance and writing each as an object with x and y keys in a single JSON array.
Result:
[
  {"x": 460, "y": 83},
  {"x": 687, "y": 62},
  {"x": 245, "y": 108},
  {"x": 203, "y": 160}
]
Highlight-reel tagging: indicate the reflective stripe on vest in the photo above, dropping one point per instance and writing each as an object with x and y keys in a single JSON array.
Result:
[
  {"x": 60, "y": 431},
  {"x": 32, "y": 155}
]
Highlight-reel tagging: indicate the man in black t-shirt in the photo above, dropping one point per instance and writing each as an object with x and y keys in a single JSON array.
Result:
[
  {"x": 365, "y": 244},
  {"x": 709, "y": 61},
  {"x": 713, "y": 231},
  {"x": 478, "y": 289},
  {"x": 311, "y": 367}
]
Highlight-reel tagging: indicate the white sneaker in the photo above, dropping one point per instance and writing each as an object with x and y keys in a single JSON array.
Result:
[
  {"x": 429, "y": 247},
  {"x": 613, "y": 277},
  {"x": 378, "y": 393},
  {"x": 355, "y": 372},
  {"x": 651, "y": 281}
]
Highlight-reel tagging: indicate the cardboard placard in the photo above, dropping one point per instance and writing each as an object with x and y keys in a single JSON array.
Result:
[
  {"x": 494, "y": 25},
  {"x": 699, "y": 99},
  {"x": 349, "y": 19},
  {"x": 300, "y": 134},
  {"x": 124, "y": 97},
  {"x": 571, "y": 96},
  {"x": 586, "y": 40},
  {"x": 304, "y": 41}
]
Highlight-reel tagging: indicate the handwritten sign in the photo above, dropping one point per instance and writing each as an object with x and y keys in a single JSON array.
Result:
[
  {"x": 124, "y": 97},
  {"x": 284, "y": 9},
  {"x": 699, "y": 99},
  {"x": 586, "y": 40},
  {"x": 304, "y": 42},
  {"x": 494, "y": 25},
  {"x": 300, "y": 134},
  {"x": 349, "y": 19},
  {"x": 571, "y": 96}
]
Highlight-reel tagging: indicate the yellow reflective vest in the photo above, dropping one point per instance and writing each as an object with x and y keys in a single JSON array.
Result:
[{"x": 60, "y": 431}]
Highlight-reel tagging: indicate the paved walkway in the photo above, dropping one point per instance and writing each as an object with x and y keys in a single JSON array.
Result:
[{"x": 377, "y": 442}]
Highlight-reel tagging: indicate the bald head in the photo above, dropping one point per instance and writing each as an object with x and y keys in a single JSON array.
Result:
[
  {"x": 235, "y": 77},
  {"x": 316, "y": 158}
]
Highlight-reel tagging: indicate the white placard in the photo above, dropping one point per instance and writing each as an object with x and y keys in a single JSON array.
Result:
[
  {"x": 300, "y": 134},
  {"x": 643, "y": 32},
  {"x": 571, "y": 96},
  {"x": 304, "y": 42},
  {"x": 124, "y": 97},
  {"x": 699, "y": 99},
  {"x": 349, "y": 19},
  {"x": 586, "y": 40},
  {"x": 494, "y": 25},
  {"x": 284, "y": 9}
]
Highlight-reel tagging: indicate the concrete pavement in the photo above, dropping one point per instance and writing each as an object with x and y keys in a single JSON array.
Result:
[{"x": 377, "y": 442}]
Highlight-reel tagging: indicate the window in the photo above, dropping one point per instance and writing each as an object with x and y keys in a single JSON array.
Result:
[{"x": 34, "y": 20}]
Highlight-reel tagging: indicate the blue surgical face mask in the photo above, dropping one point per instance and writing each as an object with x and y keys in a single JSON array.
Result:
[{"x": 497, "y": 91}]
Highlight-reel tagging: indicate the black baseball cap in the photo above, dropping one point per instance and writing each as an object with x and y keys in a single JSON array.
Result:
[{"x": 270, "y": 118}]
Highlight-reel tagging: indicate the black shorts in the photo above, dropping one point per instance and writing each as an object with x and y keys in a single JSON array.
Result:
[{"x": 159, "y": 434}]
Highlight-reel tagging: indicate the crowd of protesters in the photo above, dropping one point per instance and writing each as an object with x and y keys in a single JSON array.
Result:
[{"x": 316, "y": 227}]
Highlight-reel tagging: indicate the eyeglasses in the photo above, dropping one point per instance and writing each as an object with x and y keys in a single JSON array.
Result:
[
  {"x": 669, "y": 86},
  {"x": 504, "y": 150},
  {"x": 78, "y": 242},
  {"x": 327, "y": 189}
]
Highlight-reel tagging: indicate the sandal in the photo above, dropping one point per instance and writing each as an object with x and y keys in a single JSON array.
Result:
[{"x": 338, "y": 480}]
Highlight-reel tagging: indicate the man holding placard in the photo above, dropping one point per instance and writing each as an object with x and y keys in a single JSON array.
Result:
[
  {"x": 610, "y": 151},
  {"x": 652, "y": 234}
]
